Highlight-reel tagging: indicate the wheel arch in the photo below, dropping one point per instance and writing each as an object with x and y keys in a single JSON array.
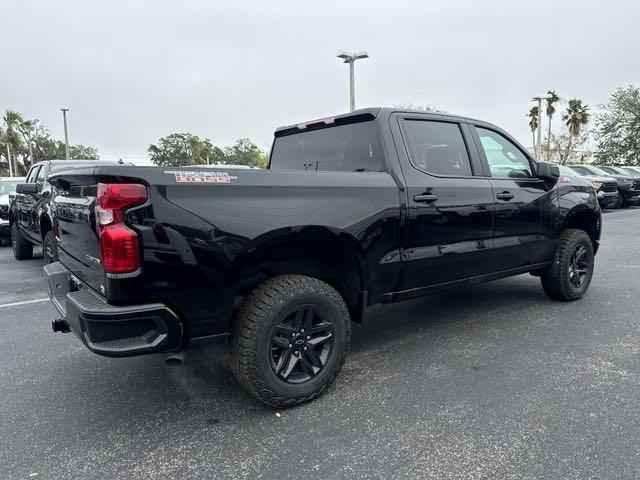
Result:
[
  {"x": 316, "y": 251},
  {"x": 587, "y": 220}
]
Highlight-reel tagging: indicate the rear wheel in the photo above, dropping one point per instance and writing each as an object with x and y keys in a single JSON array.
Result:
[
  {"x": 22, "y": 248},
  {"x": 290, "y": 340},
  {"x": 570, "y": 276},
  {"x": 49, "y": 248},
  {"x": 619, "y": 202}
]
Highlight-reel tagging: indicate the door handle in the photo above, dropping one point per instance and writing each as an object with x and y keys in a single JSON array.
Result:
[
  {"x": 425, "y": 198},
  {"x": 505, "y": 196}
]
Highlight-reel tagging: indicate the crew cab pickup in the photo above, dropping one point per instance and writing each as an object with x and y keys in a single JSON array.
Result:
[
  {"x": 372, "y": 207},
  {"x": 29, "y": 210}
]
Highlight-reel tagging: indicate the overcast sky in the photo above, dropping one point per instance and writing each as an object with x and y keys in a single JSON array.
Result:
[{"x": 131, "y": 72}]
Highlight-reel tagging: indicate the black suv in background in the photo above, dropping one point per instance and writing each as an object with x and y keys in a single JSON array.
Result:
[
  {"x": 606, "y": 187},
  {"x": 30, "y": 212},
  {"x": 628, "y": 185}
]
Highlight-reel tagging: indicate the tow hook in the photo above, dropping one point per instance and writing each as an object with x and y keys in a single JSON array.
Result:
[{"x": 59, "y": 325}]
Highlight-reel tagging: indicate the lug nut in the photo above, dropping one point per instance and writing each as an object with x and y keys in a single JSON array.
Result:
[
  {"x": 290, "y": 345},
  {"x": 305, "y": 347},
  {"x": 308, "y": 337}
]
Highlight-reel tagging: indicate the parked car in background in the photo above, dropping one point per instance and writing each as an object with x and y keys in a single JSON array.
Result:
[
  {"x": 7, "y": 187},
  {"x": 29, "y": 210},
  {"x": 628, "y": 185},
  {"x": 375, "y": 206},
  {"x": 606, "y": 187},
  {"x": 630, "y": 169}
]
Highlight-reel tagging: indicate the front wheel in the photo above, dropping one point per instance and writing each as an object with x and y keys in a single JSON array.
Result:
[
  {"x": 22, "y": 248},
  {"x": 290, "y": 340},
  {"x": 569, "y": 278}
]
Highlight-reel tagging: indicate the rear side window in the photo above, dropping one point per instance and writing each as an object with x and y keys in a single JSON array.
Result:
[
  {"x": 344, "y": 148},
  {"x": 437, "y": 147}
]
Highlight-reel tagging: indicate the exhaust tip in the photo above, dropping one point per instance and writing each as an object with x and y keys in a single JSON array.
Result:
[
  {"x": 174, "y": 360},
  {"x": 59, "y": 325}
]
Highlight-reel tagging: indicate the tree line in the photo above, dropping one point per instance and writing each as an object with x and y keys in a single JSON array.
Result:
[
  {"x": 180, "y": 149},
  {"x": 26, "y": 141},
  {"x": 616, "y": 129}
]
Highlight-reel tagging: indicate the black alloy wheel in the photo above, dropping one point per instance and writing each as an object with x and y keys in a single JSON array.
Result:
[
  {"x": 301, "y": 344},
  {"x": 579, "y": 266}
]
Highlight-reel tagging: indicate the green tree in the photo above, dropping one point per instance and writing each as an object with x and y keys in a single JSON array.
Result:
[
  {"x": 245, "y": 152},
  {"x": 575, "y": 118},
  {"x": 551, "y": 109},
  {"x": 618, "y": 128},
  {"x": 180, "y": 149},
  {"x": 533, "y": 123}
]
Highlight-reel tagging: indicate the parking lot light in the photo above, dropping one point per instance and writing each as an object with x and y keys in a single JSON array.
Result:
[{"x": 350, "y": 58}]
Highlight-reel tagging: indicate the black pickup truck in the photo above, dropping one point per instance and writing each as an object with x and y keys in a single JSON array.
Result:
[
  {"x": 30, "y": 210},
  {"x": 376, "y": 206}
]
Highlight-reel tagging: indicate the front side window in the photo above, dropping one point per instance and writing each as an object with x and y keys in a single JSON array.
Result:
[
  {"x": 437, "y": 147},
  {"x": 40, "y": 178},
  {"x": 31, "y": 178},
  {"x": 504, "y": 158},
  {"x": 353, "y": 147}
]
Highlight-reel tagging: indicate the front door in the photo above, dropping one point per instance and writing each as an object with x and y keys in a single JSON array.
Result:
[
  {"x": 450, "y": 204},
  {"x": 520, "y": 198}
]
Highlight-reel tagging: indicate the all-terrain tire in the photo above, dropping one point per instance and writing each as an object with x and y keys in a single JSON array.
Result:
[
  {"x": 22, "y": 248},
  {"x": 254, "y": 325},
  {"x": 557, "y": 280}
]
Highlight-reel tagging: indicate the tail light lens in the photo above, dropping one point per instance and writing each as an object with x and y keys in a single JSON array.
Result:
[{"x": 118, "y": 243}]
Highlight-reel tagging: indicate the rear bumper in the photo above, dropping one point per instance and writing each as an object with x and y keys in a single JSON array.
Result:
[{"x": 111, "y": 330}]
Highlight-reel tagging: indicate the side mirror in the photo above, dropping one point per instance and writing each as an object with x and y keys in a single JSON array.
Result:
[
  {"x": 31, "y": 188},
  {"x": 548, "y": 171}
]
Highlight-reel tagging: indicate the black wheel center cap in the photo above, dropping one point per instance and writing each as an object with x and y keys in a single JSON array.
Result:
[{"x": 299, "y": 343}]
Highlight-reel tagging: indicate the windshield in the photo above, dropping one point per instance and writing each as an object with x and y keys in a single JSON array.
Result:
[
  {"x": 9, "y": 186},
  {"x": 597, "y": 171},
  {"x": 344, "y": 148}
]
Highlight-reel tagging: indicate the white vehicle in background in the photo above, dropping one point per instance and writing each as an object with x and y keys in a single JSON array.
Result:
[{"x": 7, "y": 187}]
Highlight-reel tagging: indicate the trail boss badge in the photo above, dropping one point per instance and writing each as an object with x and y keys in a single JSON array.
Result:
[{"x": 201, "y": 177}]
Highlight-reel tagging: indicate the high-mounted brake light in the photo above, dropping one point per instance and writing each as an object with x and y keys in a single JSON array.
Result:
[
  {"x": 316, "y": 123},
  {"x": 118, "y": 243}
]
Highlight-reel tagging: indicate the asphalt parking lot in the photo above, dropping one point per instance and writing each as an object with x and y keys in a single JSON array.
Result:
[{"x": 495, "y": 381}]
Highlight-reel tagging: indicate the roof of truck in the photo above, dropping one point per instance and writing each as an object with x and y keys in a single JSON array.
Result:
[{"x": 364, "y": 114}]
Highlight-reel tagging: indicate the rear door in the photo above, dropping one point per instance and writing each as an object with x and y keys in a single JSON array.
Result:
[
  {"x": 450, "y": 204},
  {"x": 521, "y": 199}
]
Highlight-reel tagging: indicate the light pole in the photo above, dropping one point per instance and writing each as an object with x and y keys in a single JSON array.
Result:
[
  {"x": 351, "y": 58},
  {"x": 66, "y": 133},
  {"x": 538, "y": 145}
]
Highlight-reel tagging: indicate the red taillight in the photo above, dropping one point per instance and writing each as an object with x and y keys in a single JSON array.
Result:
[{"x": 119, "y": 244}]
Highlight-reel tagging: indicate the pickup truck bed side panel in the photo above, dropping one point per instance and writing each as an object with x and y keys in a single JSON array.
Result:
[{"x": 195, "y": 235}]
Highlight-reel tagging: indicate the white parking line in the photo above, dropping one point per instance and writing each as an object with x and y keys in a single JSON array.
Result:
[
  {"x": 26, "y": 302},
  {"x": 608, "y": 214}
]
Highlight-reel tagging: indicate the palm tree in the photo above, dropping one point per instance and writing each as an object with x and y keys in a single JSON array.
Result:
[
  {"x": 533, "y": 123},
  {"x": 575, "y": 117},
  {"x": 12, "y": 122},
  {"x": 551, "y": 109}
]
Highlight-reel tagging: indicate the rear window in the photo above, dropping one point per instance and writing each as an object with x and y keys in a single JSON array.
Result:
[
  {"x": 344, "y": 148},
  {"x": 438, "y": 147}
]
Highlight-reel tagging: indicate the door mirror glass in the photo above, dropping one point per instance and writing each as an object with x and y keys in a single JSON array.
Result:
[{"x": 548, "y": 171}]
